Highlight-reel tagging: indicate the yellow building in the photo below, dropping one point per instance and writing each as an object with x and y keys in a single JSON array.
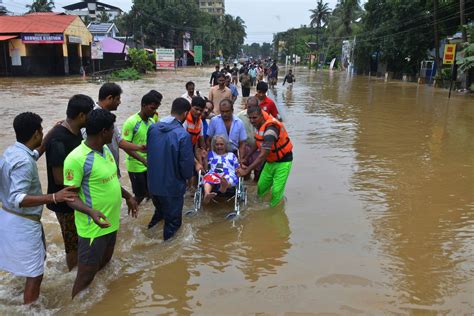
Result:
[{"x": 43, "y": 44}]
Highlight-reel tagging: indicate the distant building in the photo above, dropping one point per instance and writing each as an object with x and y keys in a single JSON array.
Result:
[
  {"x": 102, "y": 30},
  {"x": 92, "y": 9},
  {"x": 43, "y": 44},
  {"x": 214, "y": 7}
]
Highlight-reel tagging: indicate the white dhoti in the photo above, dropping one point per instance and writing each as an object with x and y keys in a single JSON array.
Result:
[{"x": 22, "y": 250}]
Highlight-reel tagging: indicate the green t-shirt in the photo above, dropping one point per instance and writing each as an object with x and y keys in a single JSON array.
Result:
[
  {"x": 95, "y": 175},
  {"x": 135, "y": 131}
]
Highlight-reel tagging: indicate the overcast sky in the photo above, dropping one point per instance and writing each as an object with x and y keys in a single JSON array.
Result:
[{"x": 263, "y": 18}]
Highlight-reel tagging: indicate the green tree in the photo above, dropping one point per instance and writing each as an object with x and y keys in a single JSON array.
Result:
[
  {"x": 41, "y": 6},
  {"x": 319, "y": 17},
  {"x": 103, "y": 17}
]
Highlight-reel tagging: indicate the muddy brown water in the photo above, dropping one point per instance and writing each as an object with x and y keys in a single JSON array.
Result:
[{"x": 379, "y": 216}]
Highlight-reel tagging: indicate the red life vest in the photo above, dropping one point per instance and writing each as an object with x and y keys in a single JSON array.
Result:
[
  {"x": 194, "y": 129},
  {"x": 283, "y": 145}
]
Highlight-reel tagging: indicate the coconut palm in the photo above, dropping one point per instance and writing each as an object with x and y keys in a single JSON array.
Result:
[
  {"x": 41, "y": 6},
  {"x": 319, "y": 16}
]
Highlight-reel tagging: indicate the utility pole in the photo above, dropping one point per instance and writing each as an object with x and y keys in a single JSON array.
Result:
[
  {"x": 462, "y": 20},
  {"x": 436, "y": 36}
]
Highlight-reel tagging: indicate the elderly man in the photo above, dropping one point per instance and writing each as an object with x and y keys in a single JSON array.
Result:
[{"x": 230, "y": 126}]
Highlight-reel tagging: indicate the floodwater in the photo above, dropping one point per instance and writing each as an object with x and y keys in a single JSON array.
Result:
[{"x": 379, "y": 216}]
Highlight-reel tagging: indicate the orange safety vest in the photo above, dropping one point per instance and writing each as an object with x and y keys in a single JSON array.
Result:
[
  {"x": 193, "y": 128},
  {"x": 283, "y": 144}
]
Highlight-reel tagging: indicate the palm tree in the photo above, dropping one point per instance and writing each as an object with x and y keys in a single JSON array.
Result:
[
  {"x": 103, "y": 17},
  {"x": 41, "y": 6},
  {"x": 319, "y": 16},
  {"x": 345, "y": 14}
]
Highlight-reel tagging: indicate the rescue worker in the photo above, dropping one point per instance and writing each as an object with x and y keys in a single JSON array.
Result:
[{"x": 275, "y": 148}]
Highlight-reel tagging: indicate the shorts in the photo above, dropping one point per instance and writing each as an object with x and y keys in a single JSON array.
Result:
[
  {"x": 68, "y": 230},
  {"x": 92, "y": 253},
  {"x": 139, "y": 182}
]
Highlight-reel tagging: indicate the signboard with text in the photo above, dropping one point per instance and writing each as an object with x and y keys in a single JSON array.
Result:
[
  {"x": 42, "y": 38},
  {"x": 449, "y": 54},
  {"x": 165, "y": 58},
  {"x": 97, "y": 51},
  {"x": 197, "y": 54}
]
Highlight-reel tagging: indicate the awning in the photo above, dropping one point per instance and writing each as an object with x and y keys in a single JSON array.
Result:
[
  {"x": 190, "y": 52},
  {"x": 7, "y": 37}
]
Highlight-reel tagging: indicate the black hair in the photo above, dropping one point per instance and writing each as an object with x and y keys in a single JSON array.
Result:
[
  {"x": 253, "y": 101},
  {"x": 229, "y": 101},
  {"x": 152, "y": 96},
  {"x": 109, "y": 88},
  {"x": 180, "y": 106},
  {"x": 198, "y": 102},
  {"x": 98, "y": 120},
  {"x": 262, "y": 86},
  {"x": 25, "y": 125},
  {"x": 221, "y": 74},
  {"x": 189, "y": 83},
  {"x": 79, "y": 103},
  {"x": 217, "y": 66},
  {"x": 254, "y": 109}
]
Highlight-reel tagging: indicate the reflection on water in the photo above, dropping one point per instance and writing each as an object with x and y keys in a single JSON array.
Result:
[{"x": 379, "y": 217}]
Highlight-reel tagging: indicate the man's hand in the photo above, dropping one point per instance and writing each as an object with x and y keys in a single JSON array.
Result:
[
  {"x": 68, "y": 194},
  {"x": 100, "y": 219},
  {"x": 132, "y": 207},
  {"x": 243, "y": 171},
  {"x": 199, "y": 167},
  {"x": 143, "y": 148}
]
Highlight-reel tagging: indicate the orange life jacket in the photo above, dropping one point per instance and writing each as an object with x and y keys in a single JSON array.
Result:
[
  {"x": 194, "y": 129},
  {"x": 283, "y": 144}
]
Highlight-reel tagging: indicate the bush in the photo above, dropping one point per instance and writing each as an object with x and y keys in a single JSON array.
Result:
[
  {"x": 125, "y": 74},
  {"x": 140, "y": 60}
]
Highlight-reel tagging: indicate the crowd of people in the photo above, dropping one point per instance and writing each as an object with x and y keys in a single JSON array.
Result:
[{"x": 163, "y": 157}]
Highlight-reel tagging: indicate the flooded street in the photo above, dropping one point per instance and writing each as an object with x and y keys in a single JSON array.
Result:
[{"x": 379, "y": 217}]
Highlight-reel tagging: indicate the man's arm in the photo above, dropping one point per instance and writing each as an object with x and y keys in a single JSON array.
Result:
[
  {"x": 125, "y": 145},
  {"x": 242, "y": 171},
  {"x": 284, "y": 80},
  {"x": 131, "y": 203},
  {"x": 97, "y": 216}
]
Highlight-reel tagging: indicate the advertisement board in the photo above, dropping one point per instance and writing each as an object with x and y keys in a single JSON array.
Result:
[
  {"x": 449, "y": 54},
  {"x": 165, "y": 58},
  {"x": 96, "y": 51},
  {"x": 198, "y": 54}
]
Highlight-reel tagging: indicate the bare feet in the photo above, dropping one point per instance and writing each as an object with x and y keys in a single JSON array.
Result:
[
  {"x": 224, "y": 185},
  {"x": 208, "y": 197}
]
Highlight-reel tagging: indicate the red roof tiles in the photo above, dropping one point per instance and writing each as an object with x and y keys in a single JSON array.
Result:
[{"x": 36, "y": 23}]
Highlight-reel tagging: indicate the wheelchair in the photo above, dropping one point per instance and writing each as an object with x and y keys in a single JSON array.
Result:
[{"x": 237, "y": 193}]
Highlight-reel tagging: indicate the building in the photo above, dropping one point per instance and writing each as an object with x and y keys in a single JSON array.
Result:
[
  {"x": 214, "y": 7},
  {"x": 91, "y": 9},
  {"x": 43, "y": 44},
  {"x": 100, "y": 31}
]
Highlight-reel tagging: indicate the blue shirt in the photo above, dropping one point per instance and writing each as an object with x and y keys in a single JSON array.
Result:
[
  {"x": 19, "y": 178},
  {"x": 234, "y": 90},
  {"x": 236, "y": 134}
]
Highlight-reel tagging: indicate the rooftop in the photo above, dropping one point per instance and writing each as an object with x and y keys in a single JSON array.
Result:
[{"x": 35, "y": 23}]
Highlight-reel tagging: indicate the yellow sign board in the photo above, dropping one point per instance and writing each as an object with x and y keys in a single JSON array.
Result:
[{"x": 449, "y": 54}]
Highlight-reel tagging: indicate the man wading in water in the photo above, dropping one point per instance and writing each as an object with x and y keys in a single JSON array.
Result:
[
  {"x": 91, "y": 169},
  {"x": 275, "y": 149},
  {"x": 22, "y": 246}
]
